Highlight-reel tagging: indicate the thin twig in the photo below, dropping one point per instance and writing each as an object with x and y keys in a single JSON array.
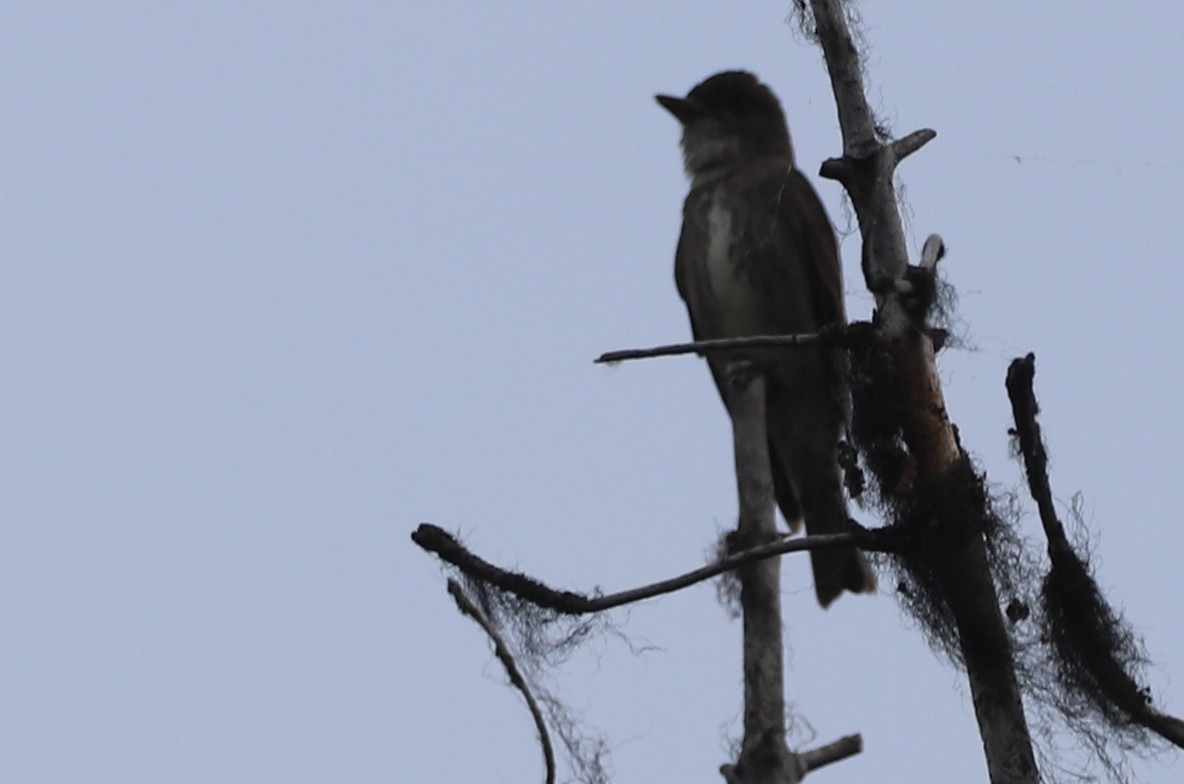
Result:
[
  {"x": 867, "y": 540},
  {"x": 721, "y": 344},
  {"x": 466, "y": 606}
]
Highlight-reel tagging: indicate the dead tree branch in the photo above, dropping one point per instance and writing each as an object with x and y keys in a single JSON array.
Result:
[
  {"x": 1020, "y": 376},
  {"x": 811, "y": 760},
  {"x": 841, "y": 336},
  {"x": 436, "y": 540},
  {"x": 1095, "y": 651},
  {"x": 866, "y": 170},
  {"x": 835, "y": 751},
  {"x": 467, "y": 607}
]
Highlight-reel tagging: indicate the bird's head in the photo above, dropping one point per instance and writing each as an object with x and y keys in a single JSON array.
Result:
[{"x": 728, "y": 118}]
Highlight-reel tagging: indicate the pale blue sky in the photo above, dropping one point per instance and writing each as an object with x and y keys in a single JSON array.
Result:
[{"x": 282, "y": 280}]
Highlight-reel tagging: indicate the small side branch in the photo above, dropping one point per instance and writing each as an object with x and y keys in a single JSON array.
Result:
[
  {"x": 807, "y": 761},
  {"x": 436, "y": 540},
  {"x": 933, "y": 251},
  {"x": 907, "y": 145},
  {"x": 836, "y": 751},
  {"x": 1167, "y": 727},
  {"x": 840, "y": 336},
  {"x": 1020, "y": 375},
  {"x": 1096, "y": 652},
  {"x": 466, "y": 606}
]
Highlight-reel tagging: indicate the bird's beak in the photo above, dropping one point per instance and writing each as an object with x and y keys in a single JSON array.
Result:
[{"x": 681, "y": 108}]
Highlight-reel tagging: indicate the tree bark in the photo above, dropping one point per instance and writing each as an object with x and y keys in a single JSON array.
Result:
[
  {"x": 866, "y": 170},
  {"x": 764, "y": 758}
]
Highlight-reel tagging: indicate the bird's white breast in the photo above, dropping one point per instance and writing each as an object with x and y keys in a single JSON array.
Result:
[{"x": 732, "y": 291}]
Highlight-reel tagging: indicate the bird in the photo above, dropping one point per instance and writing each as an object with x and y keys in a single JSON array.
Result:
[{"x": 757, "y": 255}]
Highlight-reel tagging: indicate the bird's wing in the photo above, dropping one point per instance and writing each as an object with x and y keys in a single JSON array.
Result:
[
  {"x": 809, "y": 271},
  {"x": 690, "y": 268},
  {"x": 800, "y": 213}
]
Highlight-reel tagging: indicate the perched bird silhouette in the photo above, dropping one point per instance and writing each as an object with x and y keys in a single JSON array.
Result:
[{"x": 757, "y": 256}]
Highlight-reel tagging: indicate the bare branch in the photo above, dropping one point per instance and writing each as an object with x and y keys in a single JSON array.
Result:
[
  {"x": 1167, "y": 727},
  {"x": 1020, "y": 375},
  {"x": 807, "y": 761},
  {"x": 845, "y": 335},
  {"x": 866, "y": 540},
  {"x": 436, "y": 540},
  {"x": 907, "y": 145},
  {"x": 466, "y": 606},
  {"x": 843, "y": 64},
  {"x": 1096, "y": 652},
  {"x": 822, "y": 756},
  {"x": 933, "y": 251}
]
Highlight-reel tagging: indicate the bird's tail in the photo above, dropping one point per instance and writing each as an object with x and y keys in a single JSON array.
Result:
[
  {"x": 838, "y": 569},
  {"x": 808, "y": 485}
]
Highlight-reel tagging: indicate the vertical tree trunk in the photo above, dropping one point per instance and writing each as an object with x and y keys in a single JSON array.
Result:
[
  {"x": 867, "y": 170},
  {"x": 764, "y": 758}
]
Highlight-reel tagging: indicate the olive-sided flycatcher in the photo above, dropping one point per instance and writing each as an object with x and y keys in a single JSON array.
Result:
[{"x": 757, "y": 256}]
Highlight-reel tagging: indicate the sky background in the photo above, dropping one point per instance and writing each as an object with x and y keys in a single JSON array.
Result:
[{"x": 283, "y": 280}]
